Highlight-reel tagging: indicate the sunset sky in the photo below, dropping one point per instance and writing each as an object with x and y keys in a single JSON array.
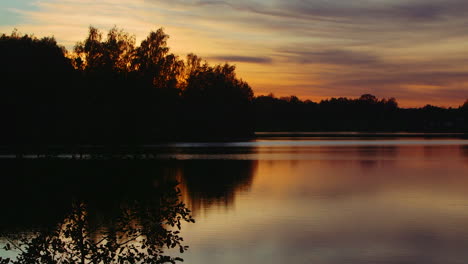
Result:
[{"x": 414, "y": 50}]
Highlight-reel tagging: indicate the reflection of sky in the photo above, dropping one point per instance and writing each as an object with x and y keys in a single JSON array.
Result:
[
  {"x": 306, "y": 149},
  {"x": 306, "y": 143},
  {"x": 413, "y": 50},
  {"x": 410, "y": 206}
]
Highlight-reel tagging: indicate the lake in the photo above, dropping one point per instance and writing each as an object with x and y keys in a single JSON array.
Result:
[{"x": 281, "y": 199}]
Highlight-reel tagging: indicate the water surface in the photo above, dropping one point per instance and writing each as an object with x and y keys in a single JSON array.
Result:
[
  {"x": 296, "y": 200},
  {"x": 334, "y": 201}
]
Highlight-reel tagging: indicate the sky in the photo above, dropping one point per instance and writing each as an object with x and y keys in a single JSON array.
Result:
[{"x": 413, "y": 50}]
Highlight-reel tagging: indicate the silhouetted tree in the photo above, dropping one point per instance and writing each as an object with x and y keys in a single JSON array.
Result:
[
  {"x": 368, "y": 99},
  {"x": 37, "y": 90},
  {"x": 216, "y": 101},
  {"x": 154, "y": 62},
  {"x": 115, "y": 54},
  {"x": 465, "y": 105}
]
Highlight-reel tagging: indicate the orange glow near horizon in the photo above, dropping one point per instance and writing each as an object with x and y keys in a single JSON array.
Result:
[{"x": 408, "y": 103}]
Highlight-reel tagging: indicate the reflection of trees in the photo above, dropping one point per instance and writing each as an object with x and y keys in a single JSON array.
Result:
[
  {"x": 118, "y": 219},
  {"x": 368, "y": 155},
  {"x": 464, "y": 150},
  {"x": 209, "y": 182}
]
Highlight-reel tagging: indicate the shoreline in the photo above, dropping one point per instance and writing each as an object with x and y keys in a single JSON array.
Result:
[
  {"x": 145, "y": 151},
  {"x": 363, "y": 134}
]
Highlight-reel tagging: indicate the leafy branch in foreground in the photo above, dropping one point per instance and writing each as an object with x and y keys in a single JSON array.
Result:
[{"x": 140, "y": 234}]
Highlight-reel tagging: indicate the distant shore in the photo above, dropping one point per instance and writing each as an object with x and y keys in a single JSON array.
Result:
[{"x": 362, "y": 134}]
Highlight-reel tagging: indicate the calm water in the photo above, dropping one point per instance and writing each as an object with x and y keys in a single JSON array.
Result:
[
  {"x": 334, "y": 201},
  {"x": 284, "y": 200}
]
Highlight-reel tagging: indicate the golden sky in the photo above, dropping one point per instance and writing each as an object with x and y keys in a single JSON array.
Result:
[{"x": 413, "y": 50}]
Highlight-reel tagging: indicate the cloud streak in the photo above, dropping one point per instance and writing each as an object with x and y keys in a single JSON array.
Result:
[
  {"x": 339, "y": 57},
  {"x": 246, "y": 59}
]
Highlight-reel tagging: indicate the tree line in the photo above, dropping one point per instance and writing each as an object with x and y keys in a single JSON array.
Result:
[
  {"x": 111, "y": 91},
  {"x": 364, "y": 114}
]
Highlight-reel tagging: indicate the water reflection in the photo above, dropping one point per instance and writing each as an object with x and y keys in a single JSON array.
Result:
[
  {"x": 367, "y": 155},
  {"x": 329, "y": 204},
  {"x": 63, "y": 211},
  {"x": 382, "y": 201},
  {"x": 464, "y": 151},
  {"x": 208, "y": 183}
]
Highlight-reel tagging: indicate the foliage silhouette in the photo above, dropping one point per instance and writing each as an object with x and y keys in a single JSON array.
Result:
[
  {"x": 109, "y": 221},
  {"x": 33, "y": 72},
  {"x": 75, "y": 241},
  {"x": 217, "y": 182},
  {"x": 218, "y": 101},
  {"x": 367, "y": 113},
  {"x": 111, "y": 92}
]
